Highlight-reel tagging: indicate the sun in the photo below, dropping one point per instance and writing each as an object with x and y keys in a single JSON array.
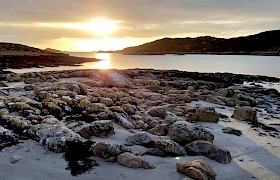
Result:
[{"x": 102, "y": 26}]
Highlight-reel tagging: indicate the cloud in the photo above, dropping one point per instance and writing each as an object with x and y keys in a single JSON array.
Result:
[{"x": 147, "y": 19}]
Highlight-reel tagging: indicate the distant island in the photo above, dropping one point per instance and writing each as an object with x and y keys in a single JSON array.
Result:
[
  {"x": 264, "y": 43},
  {"x": 21, "y": 56}
]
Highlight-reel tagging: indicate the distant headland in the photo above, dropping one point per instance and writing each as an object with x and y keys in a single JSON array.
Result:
[{"x": 264, "y": 43}]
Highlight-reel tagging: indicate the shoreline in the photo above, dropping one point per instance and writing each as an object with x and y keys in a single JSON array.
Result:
[{"x": 99, "y": 111}]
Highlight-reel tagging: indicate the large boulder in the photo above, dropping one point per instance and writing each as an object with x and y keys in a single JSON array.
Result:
[
  {"x": 204, "y": 114},
  {"x": 103, "y": 128},
  {"x": 141, "y": 138},
  {"x": 197, "y": 169},
  {"x": 245, "y": 113},
  {"x": 169, "y": 147},
  {"x": 132, "y": 161},
  {"x": 115, "y": 79},
  {"x": 184, "y": 132},
  {"x": 7, "y": 138},
  {"x": 208, "y": 149}
]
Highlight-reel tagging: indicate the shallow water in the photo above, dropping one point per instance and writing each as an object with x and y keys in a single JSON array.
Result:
[{"x": 241, "y": 64}]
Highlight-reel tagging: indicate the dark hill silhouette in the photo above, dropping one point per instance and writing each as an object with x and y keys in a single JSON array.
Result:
[
  {"x": 21, "y": 56},
  {"x": 265, "y": 43}
]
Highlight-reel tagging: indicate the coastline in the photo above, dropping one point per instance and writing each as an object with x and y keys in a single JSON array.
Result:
[{"x": 137, "y": 101}]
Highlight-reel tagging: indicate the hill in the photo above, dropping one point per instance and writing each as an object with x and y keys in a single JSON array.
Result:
[
  {"x": 265, "y": 43},
  {"x": 21, "y": 56}
]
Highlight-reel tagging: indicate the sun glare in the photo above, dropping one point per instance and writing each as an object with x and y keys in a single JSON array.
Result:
[{"x": 102, "y": 26}]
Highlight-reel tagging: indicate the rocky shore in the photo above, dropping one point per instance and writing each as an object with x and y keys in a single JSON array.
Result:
[{"x": 144, "y": 124}]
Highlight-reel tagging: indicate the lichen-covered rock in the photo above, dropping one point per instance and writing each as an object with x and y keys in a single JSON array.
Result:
[
  {"x": 108, "y": 150},
  {"x": 103, "y": 128},
  {"x": 169, "y": 147},
  {"x": 141, "y": 138},
  {"x": 245, "y": 113},
  {"x": 16, "y": 123},
  {"x": 132, "y": 161},
  {"x": 7, "y": 138},
  {"x": 107, "y": 101},
  {"x": 53, "y": 134},
  {"x": 208, "y": 149},
  {"x": 184, "y": 132},
  {"x": 197, "y": 169},
  {"x": 84, "y": 104},
  {"x": 204, "y": 114}
]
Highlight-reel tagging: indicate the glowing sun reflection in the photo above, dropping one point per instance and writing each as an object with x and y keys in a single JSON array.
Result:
[{"x": 105, "y": 62}]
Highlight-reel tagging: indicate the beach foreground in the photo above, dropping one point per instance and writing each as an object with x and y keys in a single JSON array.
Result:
[{"x": 127, "y": 124}]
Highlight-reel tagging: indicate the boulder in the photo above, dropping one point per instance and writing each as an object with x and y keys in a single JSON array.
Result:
[
  {"x": 103, "y": 128},
  {"x": 208, "y": 149},
  {"x": 7, "y": 138},
  {"x": 181, "y": 97},
  {"x": 108, "y": 150},
  {"x": 159, "y": 130},
  {"x": 245, "y": 113},
  {"x": 184, "y": 132},
  {"x": 123, "y": 120},
  {"x": 230, "y": 130},
  {"x": 197, "y": 169},
  {"x": 155, "y": 152},
  {"x": 213, "y": 99},
  {"x": 142, "y": 138},
  {"x": 204, "y": 114},
  {"x": 169, "y": 147},
  {"x": 132, "y": 161},
  {"x": 157, "y": 111},
  {"x": 53, "y": 134},
  {"x": 115, "y": 79}
]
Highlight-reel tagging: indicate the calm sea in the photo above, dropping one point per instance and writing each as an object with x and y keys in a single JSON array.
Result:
[{"x": 254, "y": 65}]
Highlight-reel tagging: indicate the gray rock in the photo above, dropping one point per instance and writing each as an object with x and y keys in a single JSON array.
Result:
[
  {"x": 208, "y": 149},
  {"x": 123, "y": 120},
  {"x": 170, "y": 147},
  {"x": 7, "y": 138},
  {"x": 141, "y": 138},
  {"x": 132, "y": 161},
  {"x": 155, "y": 152},
  {"x": 108, "y": 150},
  {"x": 184, "y": 132},
  {"x": 197, "y": 169},
  {"x": 15, "y": 158}
]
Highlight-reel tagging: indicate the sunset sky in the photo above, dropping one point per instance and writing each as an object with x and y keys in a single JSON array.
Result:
[{"x": 90, "y": 25}]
